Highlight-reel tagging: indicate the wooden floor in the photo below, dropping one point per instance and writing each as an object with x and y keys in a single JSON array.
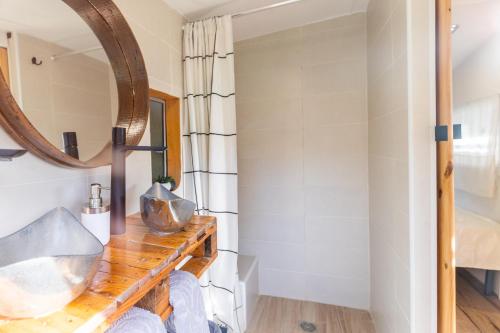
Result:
[
  {"x": 278, "y": 315},
  {"x": 475, "y": 312}
]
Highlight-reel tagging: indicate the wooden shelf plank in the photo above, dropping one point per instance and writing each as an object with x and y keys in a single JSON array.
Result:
[
  {"x": 132, "y": 265},
  {"x": 198, "y": 266},
  {"x": 164, "y": 316}
]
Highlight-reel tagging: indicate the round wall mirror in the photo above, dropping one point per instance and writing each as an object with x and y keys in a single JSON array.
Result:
[{"x": 72, "y": 70}]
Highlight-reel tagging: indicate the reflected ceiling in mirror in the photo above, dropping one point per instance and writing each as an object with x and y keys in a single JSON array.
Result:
[
  {"x": 60, "y": 75},
  {"x": 477, "y": 22}
]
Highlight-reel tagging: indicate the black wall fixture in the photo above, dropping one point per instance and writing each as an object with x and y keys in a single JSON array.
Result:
[
  {"x": 441, "y": 132},
  {"x": 71, "y": 144},
  {"x": 36, "y": 62},
  {"x": 7, "y": 155}
]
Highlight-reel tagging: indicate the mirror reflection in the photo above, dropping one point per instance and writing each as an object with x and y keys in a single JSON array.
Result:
[
  {"x": 476, "y": 100},
  {"x": 59, "y": 74}
]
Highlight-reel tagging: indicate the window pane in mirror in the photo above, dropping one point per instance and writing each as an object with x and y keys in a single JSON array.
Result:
[
  {"x": 158, "y": 135},
  {"x": 59, "y": 73}
]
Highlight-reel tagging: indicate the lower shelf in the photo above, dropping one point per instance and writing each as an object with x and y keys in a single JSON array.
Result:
[
  {"x": 203, "y": 253},
  {"x": 198, "y": 266}
]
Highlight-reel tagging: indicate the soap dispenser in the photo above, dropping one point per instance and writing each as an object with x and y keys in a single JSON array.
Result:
[{"x": 96, "y": 215}]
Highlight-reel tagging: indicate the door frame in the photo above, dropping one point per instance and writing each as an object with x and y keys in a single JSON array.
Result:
[
  {"x": 4, "y": 64},
  {"x": 445, "y": 173}
]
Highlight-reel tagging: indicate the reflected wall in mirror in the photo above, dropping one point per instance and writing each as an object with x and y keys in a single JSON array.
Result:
[
  {"x": 476, "y": 106},
  {"x": 72, "y": 69},
  {"x": 60, "y": 75}
]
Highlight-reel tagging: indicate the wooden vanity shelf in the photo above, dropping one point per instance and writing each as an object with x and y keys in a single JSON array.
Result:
[{"x": 134, "y": 271}]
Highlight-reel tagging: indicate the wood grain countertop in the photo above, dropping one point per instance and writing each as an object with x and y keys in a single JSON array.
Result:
[{"x": 134, "y": 271}]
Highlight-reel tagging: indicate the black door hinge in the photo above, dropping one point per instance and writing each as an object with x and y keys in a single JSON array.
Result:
[{"x": 441, "y": 132}]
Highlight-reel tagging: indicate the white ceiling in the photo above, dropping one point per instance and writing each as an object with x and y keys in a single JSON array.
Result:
[
  {"x": 479, "y": 20},
  {"x": 49, "y": 20},
  {"x": 265, "y": 22},
  {"x": 188, "y": 7}
]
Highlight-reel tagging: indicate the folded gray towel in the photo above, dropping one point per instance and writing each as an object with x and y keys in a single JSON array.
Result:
[
  {"x": 189, "y": 309},
  {"x": 214, "y": 328}
]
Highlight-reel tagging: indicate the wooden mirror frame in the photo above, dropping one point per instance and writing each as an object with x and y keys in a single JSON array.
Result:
[{"x": 122, "y": 49}]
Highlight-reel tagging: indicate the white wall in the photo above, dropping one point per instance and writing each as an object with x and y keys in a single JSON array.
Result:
[
  {"x": 303, "y": 163},
  {"x": 401, "y": 108},
  {"x": 423, "y": 196},
  {"x": 389, "y": 166},
  {"x": 30, "y": 187}
]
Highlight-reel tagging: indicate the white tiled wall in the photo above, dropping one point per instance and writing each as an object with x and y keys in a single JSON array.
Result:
[
  {"x": 303, "y": 160},
  {"x": 389, "y": 165},
  {"x": 401, "y": 109},
  {"x": 30, "y": 187},
  {"x": 423, "y": 193}
]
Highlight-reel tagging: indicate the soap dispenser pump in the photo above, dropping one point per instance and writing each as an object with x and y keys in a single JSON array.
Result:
[{"x": 96, "y": 215}]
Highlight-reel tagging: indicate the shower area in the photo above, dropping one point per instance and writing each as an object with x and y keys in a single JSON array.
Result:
[{"x": 335, "y": 161}]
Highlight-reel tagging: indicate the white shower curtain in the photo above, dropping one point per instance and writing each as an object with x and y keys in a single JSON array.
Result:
[{"x": 209, "y": 153}]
